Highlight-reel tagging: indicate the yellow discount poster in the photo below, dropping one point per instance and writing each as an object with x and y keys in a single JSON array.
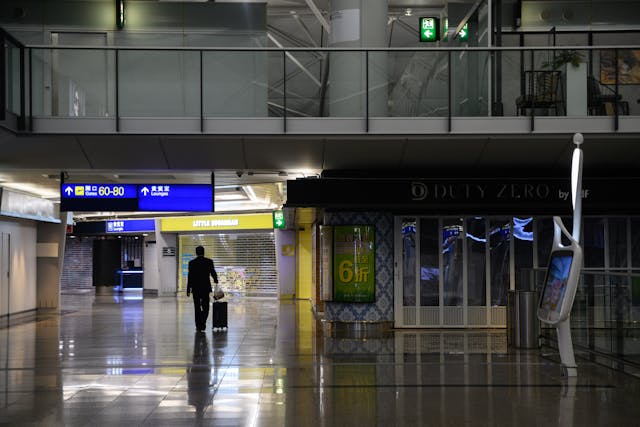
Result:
[{"x": 354, "y": 263}]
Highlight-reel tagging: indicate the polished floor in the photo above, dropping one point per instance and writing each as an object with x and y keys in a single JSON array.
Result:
[{"x": 126, "y": 361}]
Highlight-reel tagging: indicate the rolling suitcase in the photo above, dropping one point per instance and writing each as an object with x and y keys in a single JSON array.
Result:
[{"x": 219, "y": 315}]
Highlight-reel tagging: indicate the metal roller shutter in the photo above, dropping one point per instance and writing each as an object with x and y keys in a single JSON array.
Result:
[{"x": 245, "y": 262}]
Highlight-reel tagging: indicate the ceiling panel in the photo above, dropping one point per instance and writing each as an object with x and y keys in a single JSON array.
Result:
[
  {"x": 283, "y": 153},
  {"x": 124, "y": 152},
  {"x": 359, "y": 153},
  {"x": 442, "y": 152},
  {"x": 531, "y": 152},
  {"x": 43, "y": 151},
  {"x": 203, "y": 153}
]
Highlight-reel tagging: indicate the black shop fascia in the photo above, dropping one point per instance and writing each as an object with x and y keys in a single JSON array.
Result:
[{"x": 463, "y": 195}]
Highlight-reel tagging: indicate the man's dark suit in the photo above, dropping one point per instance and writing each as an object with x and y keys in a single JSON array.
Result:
[{"x": 198, "y": 282}]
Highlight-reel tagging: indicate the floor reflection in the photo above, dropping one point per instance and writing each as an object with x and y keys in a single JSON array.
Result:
[
  {"x": 106, "y": 362},
  {"x": 200, "y": 385}
]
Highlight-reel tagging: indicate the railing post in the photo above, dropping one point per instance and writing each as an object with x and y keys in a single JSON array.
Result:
[
  {"x": 616, "y": 120},
  {"x": 532, "y": 82},
  {"x": 284, "y": 91},
  {"x": 117, "y": 93},
  {"x": 498, "y": 110},
  {"x": 366, "y": 89},
  {"x": 450, "y": 90},
  {"x": 23, "y": 108},
  {"x": 325, "y": 79},
  {"x": 3, "y": 78},
  {"x": 30, "y": 90},
  {"x": 201, "y": 97},
  {"x": 590, "y": 43}
]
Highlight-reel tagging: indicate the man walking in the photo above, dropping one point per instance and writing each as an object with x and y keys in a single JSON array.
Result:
[{"x": 200, "y": 268}]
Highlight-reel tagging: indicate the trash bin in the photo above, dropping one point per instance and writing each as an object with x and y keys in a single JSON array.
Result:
[{"x": 522, "y": 319}]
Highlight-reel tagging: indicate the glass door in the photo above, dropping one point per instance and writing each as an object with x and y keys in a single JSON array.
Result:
[
  {"x": 500, "y": 267},
  {"x": 452, "y": 271},
  {"x": 477, "y": 271},
  {"x": 405, "y": 287}
]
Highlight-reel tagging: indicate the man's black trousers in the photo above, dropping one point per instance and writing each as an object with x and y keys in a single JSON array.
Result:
[{"x": 201, "y": 308}]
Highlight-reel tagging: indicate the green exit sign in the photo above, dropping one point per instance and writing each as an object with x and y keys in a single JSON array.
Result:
[
  {"x": 429, "y": 29},
  {"x": 463, "y": 35},
  {"x": 278, "y": 219}
]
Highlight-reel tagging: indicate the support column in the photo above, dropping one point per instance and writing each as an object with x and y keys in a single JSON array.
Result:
[
  {"x": 358, "y": 24},
  {"x": 50, "y": 258},
  {"x": 286, "y": 262},
  {"x": 303, "y": 261},
  {"x": 151, "y": 277},
  {"x": 167, "y": 264}
]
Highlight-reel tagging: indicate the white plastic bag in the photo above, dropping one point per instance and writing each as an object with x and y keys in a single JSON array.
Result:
[{"x": 217, "y": 292}]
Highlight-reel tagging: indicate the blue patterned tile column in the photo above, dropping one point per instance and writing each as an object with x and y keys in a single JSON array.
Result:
[{"x": 382, "y": 309}]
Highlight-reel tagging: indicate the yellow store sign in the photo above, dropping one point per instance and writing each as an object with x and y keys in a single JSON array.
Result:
[{"x": 263, "y": 221}]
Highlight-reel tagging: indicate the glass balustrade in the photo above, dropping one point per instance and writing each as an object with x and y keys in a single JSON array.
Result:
[
  {"x": 201, "y": 84},
  {"x": 73, "y": 83},
  {"x": 605, "y": 319}
]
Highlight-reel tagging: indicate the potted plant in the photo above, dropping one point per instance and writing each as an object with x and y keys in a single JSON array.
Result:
[
  {"x": 575, "y": 79},
  {"x": 573, "y": 57}
]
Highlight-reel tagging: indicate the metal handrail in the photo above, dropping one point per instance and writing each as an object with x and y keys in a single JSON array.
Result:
[
  {"x": 337, "y": 49},
  {"x": 28, "y": 50},
  {"x": 590, "y": 271}
]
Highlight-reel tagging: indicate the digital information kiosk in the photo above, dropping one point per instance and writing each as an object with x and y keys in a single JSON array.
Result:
[
  {"x": 558, "y": 283},
  {"x": 563, "y": 271}
]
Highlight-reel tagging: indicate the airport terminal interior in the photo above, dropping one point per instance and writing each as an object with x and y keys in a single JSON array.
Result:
[{"x": 420, "y": 212}]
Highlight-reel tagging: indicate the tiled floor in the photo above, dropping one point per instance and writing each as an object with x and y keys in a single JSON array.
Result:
[{"x": 120, "y": 361}]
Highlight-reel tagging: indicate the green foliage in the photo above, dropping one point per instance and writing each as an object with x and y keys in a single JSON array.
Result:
[{"x": 572, "y": 57}]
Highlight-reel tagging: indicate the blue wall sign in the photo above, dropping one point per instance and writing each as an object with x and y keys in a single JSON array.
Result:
[
  {"x": 130, "y": 225},
  {"x": 175, "y": 197},
  {"x": 137, "y": 197}
]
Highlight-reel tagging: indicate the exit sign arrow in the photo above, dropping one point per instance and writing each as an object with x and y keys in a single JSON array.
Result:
[
  {"x": 278, "y": 219},
  {"x": 428, "y": 28}
]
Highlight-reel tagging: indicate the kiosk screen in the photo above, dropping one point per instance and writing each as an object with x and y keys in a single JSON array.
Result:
[{"x": 555, "y": 284}]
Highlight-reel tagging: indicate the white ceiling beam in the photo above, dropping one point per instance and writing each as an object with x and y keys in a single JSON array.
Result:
[
  {"x": 294, "y": 60},
  {"x": 319, "y": 16},
  {"x": 453, "y": 33},
  {"x": 304, "y": 28}
]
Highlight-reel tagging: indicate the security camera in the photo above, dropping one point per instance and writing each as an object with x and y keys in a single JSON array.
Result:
[{"x": 239, "y": 173}]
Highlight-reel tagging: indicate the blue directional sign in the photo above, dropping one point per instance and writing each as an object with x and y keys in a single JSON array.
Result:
[
  {"x": 99, "y": 191},
  {"x": 175, "y": 197},
  {"x": 137, "y": 197},
  {"x": 98, "y": 197},
  {"x": 130, "y": 225}
]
